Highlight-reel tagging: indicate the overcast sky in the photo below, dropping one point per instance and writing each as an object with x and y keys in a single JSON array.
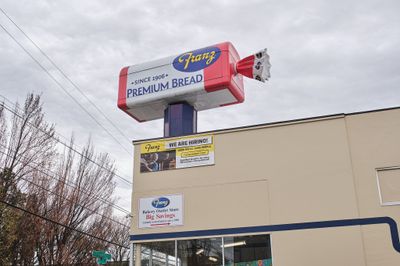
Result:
[{"x": 327, "y": 57}]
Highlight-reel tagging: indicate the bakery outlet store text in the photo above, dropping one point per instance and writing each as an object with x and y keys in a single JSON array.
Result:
[{"x": 315, "y": 191}]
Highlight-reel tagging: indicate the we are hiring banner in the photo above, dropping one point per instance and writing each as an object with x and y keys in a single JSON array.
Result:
[{"x": 177, "y": 153}]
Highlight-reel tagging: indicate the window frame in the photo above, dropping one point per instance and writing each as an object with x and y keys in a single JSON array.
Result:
[{"x": 382, "y": 169}]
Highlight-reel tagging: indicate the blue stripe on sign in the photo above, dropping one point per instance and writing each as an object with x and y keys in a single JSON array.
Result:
[{"x": 279, "y": 227}]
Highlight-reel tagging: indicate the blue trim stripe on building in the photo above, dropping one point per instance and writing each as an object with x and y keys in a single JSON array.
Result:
[{"x": 279, "y": 227}]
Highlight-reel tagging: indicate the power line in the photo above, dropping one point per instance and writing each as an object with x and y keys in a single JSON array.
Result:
[
  {"x": 14, "y": 106},
  {"x": 115, "y": 206},
  {"x": 63, "y": 143},
  {"x": 62, "y": 87},
  {"x": 68, "y": 184},
  {"x": 63, "y": 73},
  {"x": 66, "y": 198},
  {"x": 59, "y": 141},
  {"x": 63, "y": 225}
]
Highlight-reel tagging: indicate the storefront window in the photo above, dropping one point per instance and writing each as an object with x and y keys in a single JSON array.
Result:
[
  {"x": 230, "y": 251},
  {"x": 158, "y": 253},
  {"x": 248, "y": 251},
  {"x": 200, "y": 252}
]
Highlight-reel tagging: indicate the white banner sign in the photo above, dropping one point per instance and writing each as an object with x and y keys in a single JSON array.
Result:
[{"x": 161, "y": 211}]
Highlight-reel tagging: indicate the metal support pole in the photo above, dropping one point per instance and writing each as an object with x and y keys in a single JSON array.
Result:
[
  {"x": 131, "y": 256},
  {"x": 180, "y": 119},
  {"x": 176, "y": 253},
  {"x": 151, "y": 257},
  {"x": 223, "y": 251}
]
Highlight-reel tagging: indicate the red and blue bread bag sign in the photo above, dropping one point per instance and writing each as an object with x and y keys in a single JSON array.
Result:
[{"x": 205, "y": 78}]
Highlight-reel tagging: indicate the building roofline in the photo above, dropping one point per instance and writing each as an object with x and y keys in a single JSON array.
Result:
[{"x": 277, "y": 123}]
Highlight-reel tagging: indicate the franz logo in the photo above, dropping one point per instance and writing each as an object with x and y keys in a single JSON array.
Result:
[
  {"x": 197, "y": 59},
  {"x": 160, "y": 203}
]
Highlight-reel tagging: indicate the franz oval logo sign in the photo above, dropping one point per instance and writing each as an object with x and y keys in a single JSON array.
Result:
[
  {"x": 160, "y": 203},
  {"x": 197, "y": 59}
]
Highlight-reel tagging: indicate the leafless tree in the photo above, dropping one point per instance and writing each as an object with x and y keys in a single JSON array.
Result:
[
  {"x": 78, "y": 200},
  {"x": 120, "y": 234},
  {"x": 65, "y": 187},
  {"x": 29, "y": 141},
  {"x": 26, "y": 144}
]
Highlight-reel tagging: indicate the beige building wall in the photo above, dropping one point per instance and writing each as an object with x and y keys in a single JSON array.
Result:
[
  {"x": 291, "y": 172},
  {"x": 375, "y": 143}
]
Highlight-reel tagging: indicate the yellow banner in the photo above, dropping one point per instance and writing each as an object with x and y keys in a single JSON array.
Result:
[{"x": 176, "y": 153}]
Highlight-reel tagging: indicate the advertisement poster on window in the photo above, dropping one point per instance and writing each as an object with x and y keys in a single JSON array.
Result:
[
  {"x": 177, "y": 153},
  {"x": 160, "y": 211},
  {"x": 267, "y": 262}
]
